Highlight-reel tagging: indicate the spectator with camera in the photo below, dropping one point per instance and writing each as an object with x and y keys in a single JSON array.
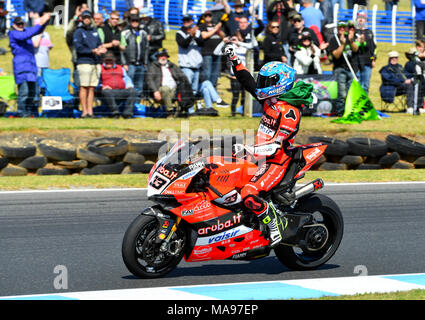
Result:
[
  {"x": 307, "y": 56},
  {"x": 135, "y": 58},
  {"x": 24, "y": 63},
  {"x": 295, "y": 35},
  {"x": 343, "y": 49},
  {"x": 242, "y": 42},
  {"x": 117, "y": 85},
  {"x": 282, "y": 12},
  {"x": 212, "y": 35},
  {"x": 190, "y": 44},
  {"x": 367, "y": 50}
]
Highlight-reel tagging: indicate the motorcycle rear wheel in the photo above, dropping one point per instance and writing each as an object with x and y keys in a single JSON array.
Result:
[
  {"x": 327, "y": 213},
  {"x": 142, "y": 257}
]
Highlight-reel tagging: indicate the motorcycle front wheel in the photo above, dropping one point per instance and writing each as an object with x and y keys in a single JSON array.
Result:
[
  {"x": 143, "y": 255},
  {"x": 320, "y": 239}
]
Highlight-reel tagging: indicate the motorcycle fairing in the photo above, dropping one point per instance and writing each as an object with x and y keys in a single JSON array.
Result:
[
  {"x": 227, "y": 244},
  {"x": 310, "y": 154}
]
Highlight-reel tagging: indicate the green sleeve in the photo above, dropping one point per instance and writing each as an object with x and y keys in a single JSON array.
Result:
[{"x": 101, "y": 35}]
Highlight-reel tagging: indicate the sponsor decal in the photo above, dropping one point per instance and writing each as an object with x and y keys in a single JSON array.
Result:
[
  {"x": 224, "y": 236},
  {"x": 239, "y": 255},
  {"x": 317, "y": 185},
  {"x": 291, "y": 115},
  {"x": 201, "y": 207},
  {"x": 265, "y": 166},
  {"x": 267, "y": 131},
  {"x": 187, "y": 212},
  {"x": 188, "y": 175},
  {"x": 202, "y": 252},
  {"x": 168, "y": 173},
  {"x": 313, "y": 154},
  {"x": 228, "y": 234},
  {"x": 218, "y": 226},
  {"x": 196, "y": 165},
  {"x": 268, "y": 120}
]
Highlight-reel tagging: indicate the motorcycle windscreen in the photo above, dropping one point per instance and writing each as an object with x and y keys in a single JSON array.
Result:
[{"x": 167, "y": 168}]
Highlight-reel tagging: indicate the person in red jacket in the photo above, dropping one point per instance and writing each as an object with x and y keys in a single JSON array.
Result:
[
  {"x": 117, "y": 85},
  {"x": 283, "y": 100}
]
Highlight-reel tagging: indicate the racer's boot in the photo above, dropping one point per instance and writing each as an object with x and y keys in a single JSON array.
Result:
[
  {"x": 275, "y": 224},
  {"x": 267, "y": 215}
]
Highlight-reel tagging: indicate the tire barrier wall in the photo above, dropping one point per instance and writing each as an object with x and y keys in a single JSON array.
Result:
[{"x": 114, "y": 155}]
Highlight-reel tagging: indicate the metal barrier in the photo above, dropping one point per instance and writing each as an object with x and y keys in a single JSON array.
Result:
[{"x": 388, "y": 26}]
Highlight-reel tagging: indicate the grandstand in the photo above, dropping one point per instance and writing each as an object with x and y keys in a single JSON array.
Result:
[{"x": 170, "y": 12}]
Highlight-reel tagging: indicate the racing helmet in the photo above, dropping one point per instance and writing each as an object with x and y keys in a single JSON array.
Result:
[{"x": 274, "y": 79}]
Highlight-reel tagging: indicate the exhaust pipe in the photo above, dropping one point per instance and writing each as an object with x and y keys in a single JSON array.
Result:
[
  {"x": 309, "y": 188},
  {"x": 288, "y": 198}
]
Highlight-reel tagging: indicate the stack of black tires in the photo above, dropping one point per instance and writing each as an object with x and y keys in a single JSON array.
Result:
[
  {"x": 106, "y": 155},
  {"x": 362, "y": 153}
]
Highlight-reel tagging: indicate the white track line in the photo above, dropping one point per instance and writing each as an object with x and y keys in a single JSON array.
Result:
[{"x": 144, "y": 189}]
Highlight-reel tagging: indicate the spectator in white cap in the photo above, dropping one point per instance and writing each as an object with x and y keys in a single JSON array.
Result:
[
  {"x": 395, "y": 81},
  {"x": 367, "y": 50}
]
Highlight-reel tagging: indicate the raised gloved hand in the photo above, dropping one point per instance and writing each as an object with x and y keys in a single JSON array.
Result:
[
  {"x": 230, "y": 52},
  {"x": 241, "y": 150}
]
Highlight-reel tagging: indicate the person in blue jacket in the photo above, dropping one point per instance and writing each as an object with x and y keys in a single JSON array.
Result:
[
  {"x": 24, "y": 64},
  {"x": 395, "y": 80},
  {"x": 420, "y": 19},
  {"x": 89, "y": 48}
]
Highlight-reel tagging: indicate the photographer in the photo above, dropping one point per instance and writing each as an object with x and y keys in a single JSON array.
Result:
[
  {"x": 367, "y": 50},
  {"x": 190, "y": 44},
  {"x": 342, "y": 49},
  {"x": 242, "y": 42},
  {"x": 281, "y": 11},
  {"x": 307, "y": 57},
  {"x": 212, "y": 35}
]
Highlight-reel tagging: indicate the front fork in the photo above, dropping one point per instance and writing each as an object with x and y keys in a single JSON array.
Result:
[{"x": 168, "y": 228}]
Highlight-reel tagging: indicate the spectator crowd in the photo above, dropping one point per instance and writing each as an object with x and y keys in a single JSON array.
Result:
[{"x": 122, "y": 60}]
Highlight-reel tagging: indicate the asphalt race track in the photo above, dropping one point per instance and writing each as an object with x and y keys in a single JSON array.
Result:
[{"x": 83, "y": 230}]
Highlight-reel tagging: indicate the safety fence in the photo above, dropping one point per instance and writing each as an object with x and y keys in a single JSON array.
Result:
[{"x": 388, "y": 26}]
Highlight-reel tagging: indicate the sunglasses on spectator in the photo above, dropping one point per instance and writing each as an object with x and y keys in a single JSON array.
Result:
[
  {"x": 20, "y": 24},
  {"x": 114, "y": 18},
  {"x": 297, "y": 21},
  {"x": 207, "y": 15},
  {"x": 274, "y": 27}
]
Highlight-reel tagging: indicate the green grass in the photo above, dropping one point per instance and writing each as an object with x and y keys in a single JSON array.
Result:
[
  {"x": 399, "y": 295},
  {"x": 140, "y": 180}
]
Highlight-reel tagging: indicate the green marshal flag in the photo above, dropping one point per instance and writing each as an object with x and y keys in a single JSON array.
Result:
[{"x": 358, "y": 106}]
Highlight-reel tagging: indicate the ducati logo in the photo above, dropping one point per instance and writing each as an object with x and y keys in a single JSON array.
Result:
[{"x": 291, "y": 115}]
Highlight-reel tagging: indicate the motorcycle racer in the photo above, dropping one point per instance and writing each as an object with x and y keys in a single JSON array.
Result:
[{"x": 282, "y": 100}]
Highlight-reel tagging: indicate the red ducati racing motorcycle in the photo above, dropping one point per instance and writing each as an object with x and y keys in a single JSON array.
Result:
[{"x": 199, "y": 214}]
